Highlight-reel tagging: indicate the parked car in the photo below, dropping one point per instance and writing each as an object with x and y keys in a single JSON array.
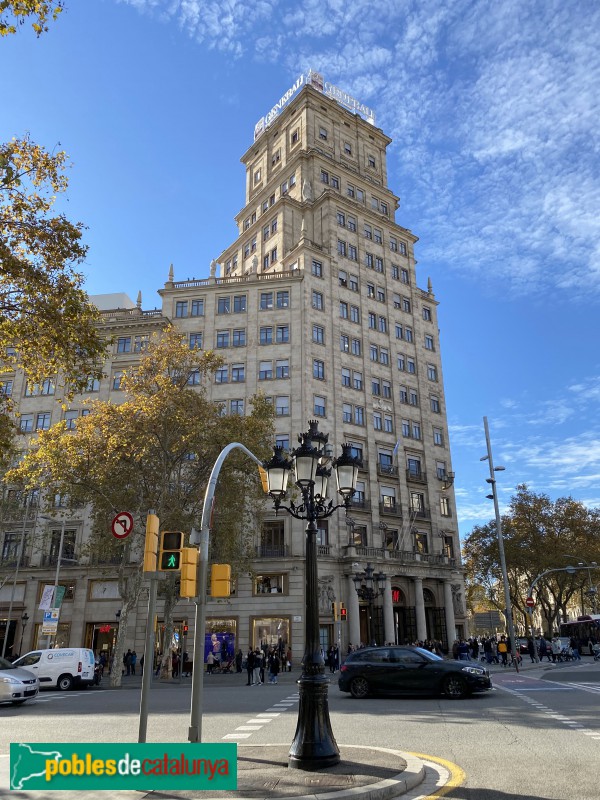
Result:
[
  {"x": 411, "y": 671},
  {"x": 16, "y": 685},
  {"x": 62, "y": 667}
]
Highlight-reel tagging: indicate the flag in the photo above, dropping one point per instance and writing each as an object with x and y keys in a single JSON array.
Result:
[{"x": 46, "y": 601}]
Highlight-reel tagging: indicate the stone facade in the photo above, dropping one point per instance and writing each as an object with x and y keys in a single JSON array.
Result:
[{"x": 315, "y": 304}]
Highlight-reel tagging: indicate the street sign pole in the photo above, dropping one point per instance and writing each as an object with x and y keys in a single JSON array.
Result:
[{"x": 148, "y": 658}]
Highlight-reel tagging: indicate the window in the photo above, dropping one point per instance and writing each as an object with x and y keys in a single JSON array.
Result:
[
  {"x": 401, "y": 362},
  {"x": 238, "y": 373},
  {"x": 335, "y": 182},
  {"x": 344, "y": 343},
  {"x": 347, "y": 148},
  {"x": 381, "y": 294},
  {"x": 273, "y": 255},
  {"x": 371, "y": 161},
  {"x": 355, "y": 314},
  {"x": 353, "y": 283},
  {"x": 386, "y": 389},
  {"x": 403, "y": 393},
  {"x": 141, "y": 342},
  {"x": 276, "y": 157},
  {"x": 317, "y": 268},
  {"x": 341, "y": 219},
  {"x": 282, "y": 368},
  {"x": 405, "y": 428},
  {"x": 376, "y": 386},
  {"x": 283, "y": 334},
  {"x": 395, "y": 272},
  {"x": 383, "y": 208},
  {"x": 222, "y": 339},
  {"x": 117, "y": 380},
  {"x": 404, "y": 276},
  {"x": 357, "y": 380},
  {"x": 322, "y": 537},
  {"x": 377, "y": 421},
  {"x": 421, "y": 545},
  {"x": 181, "y": 308},
  {"x": 236, "y": 407},
  {"x": 342, "y": 278},
  {"x": 223, "y": 305},
  {"x": 266, "y": 232},
  {"x": 356, "y": 451},
  {"x": 93, "y": 385},
  {"x": 384, "y": 356},
  {"x": 372, "y": 320},
  {"x": 282, "y": 440},
  {"x": 6, "y": 388},
  {"x": 344, "y": 310},
  {"x": 317, "y": 300},
  {"x": 377, "y": 235},
  {"x": 388, "y": 423},
  {"x": 239, "y": 303},
  {"x": 239, "y": 337},
  {"x": 369, "y": 260},
  {"x": 282, "y": 406},
  {"x": 386, "y": 461},
  {"x": 403, "y": 248},
  {"x": 318, "y": 334},
  {"x": 392, "y": 540},
  {"x": 318, "y": 369},
  {"x": 382, "y": 324},
  {"x": 438, "y": 436},
  {"x": 374, "y": 352},
  {"x": 448, "y": 546},
  {"x": 323, "y": 133},
  {"x": 346, "y": 377},
  {"x": 266, "y": 301},
  {"x": 413, "y": 465},
  {"x": 413, "y": 398},
  {"x": 195, "y": 341},
  {"x": 352, "y": 253},
  {"x": 265, "y": 370},
  {"x": 194, "y": 378},
  {"x": 411, "y": 366},
  {"x": 416, "y": 430},
  {"x": 393, "y": 244},
  {"x": 427, "y": 313},
  {"x": 359, "y": 415},
  {"x": 351, "y": 223},
  {"x": 355, "y": 347},
  {"x": 370, "y": 290},
  {"x": 360, "y": 195},
  {"x": 429, "y": 343},
  {"x": 341, "y": 248},
  {"x": 324, "y": 176},
  {"x": 350, "y": 190},
  {"x": 295, "y": 136},
  {"x": 378, "y": 264},
  {"x": 399, "y": 331},
  {"x": 26, "y": 423},
  {"x": 42, "y": 422},
  {"x": 408, "y": 334},
  {"x": 124, "y": 344},
  {"x": 319, "y": 406},
  {"x": 368, "y": 232},
  {"x": 435, "y": 403},
  {"x": 417, "y": 502},
  {"x": 347, "y": 412},
  {"x": 266, "y": 335},
  {"x": 432, "y": 372},
  {"x": 283, "y": 299},
  {"x": 222, "y": 375},
  {"x": 440, "y": 470},
  {"x": 256, "y": 176}
]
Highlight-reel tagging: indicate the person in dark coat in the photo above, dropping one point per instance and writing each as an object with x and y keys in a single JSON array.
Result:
[{"x": 250, "y": 666}]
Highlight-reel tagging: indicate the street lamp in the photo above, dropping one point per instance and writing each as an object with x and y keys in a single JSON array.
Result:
[
  {"x": 24, "y": 621},
  {"x": 364, "y": 583},
  {"x": 494, "y": 496},
  {"x": 313, "y": 746},
  {"x": 592, "y": 590},
  {"x": 16, "y": 575}
]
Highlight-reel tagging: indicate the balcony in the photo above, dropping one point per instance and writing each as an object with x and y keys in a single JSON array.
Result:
[
  {"x": 388, "y": 470},
  {"x": 370, "y": 552},
  {"x": 323, "y": 550},
  {"x": 269, "y": 551},
  {"x": 416, "y": 477},
  {"x": 360, "y": 505},
  {"x": 391, "y": 509},
  {"x": 420, "y": 513},
  {"x": 68, "y": 559},
  {"x": 10, "y": 562}
]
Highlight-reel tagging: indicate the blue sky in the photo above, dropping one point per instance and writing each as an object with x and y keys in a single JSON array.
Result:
[{"x": 493, "y": 108}]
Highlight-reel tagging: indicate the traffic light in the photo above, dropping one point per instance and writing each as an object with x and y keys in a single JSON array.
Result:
[
  {"x": 264, "y": 479},
  {"x": 185, "y": 630},
  {"x": 151, "y": 543},
  {"x": 189, "y": 572},
  {"x": 220, "y": 580},
  {"x": 169, "y": 558},
  {"x": 343, "y": 612},
  {"x": 334, "y": 610}
]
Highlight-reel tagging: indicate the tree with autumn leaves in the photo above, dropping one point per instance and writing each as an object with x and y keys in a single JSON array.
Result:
[
  {"x": 539, "y": 534},
  {"x": 155, "y": 450}
]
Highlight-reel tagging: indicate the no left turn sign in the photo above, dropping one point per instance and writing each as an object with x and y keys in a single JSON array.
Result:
[{"x": 122, "y": 525}]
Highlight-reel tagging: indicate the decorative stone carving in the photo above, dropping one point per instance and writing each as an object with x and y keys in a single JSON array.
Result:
[{"x": 326, "y": 594}]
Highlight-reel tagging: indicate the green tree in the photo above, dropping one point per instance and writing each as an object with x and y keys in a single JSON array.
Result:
[
  {"x": 155, "y": 450},
  {"x": 17, "y": 12},
  {"x": 47, "y": 325},
  {"x": 539, "y": 534}
]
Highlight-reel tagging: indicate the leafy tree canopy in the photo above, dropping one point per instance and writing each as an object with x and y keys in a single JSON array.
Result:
[
  {"x": 47, "y": 325},
  {"x": 539, "y": 534},
  {"x": 17, "y": 12}
]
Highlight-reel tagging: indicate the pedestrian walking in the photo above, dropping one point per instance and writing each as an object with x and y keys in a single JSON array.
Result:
[
  {"x": 258, "y": 658},
  {"x": 133, "y": 662},
  {"x": 127, "y": 662},
  {"x": 274, "y": 665},
  {"x": 210, "y": 661},
  {"x": 250, "y": 667}
]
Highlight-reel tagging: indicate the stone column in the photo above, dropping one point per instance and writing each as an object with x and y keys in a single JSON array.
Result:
[
  {"x": 420, "y": 610},
  {"x": 353, "y": 614},
  {"x": 389, "y": 630},
  {"x": 449, "y": 609}
]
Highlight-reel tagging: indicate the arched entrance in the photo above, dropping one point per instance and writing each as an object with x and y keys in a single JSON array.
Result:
[{"x": 405, "y": 621}]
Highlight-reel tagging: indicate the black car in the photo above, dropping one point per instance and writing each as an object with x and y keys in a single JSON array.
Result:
[{"x": 409, "y": 670}]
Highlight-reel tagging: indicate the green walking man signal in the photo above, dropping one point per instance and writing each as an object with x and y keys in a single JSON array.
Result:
[{"x": 169, "y": 556}]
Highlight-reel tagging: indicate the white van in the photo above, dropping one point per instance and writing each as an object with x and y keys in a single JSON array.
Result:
[{"x": 63, "y": 667}]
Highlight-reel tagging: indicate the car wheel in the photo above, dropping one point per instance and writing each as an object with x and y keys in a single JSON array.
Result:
[
  {"x": 65, "y": 682},
  {"x": 359, "y": 687},
  {"x": 18, "y": 702},
  {"x": 455, "y": 687}
]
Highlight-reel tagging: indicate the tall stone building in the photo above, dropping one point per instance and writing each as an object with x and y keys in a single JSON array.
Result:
[{"x": 316, "y": 304}]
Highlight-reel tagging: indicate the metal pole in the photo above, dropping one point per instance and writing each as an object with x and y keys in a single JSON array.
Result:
[
  {"x": 14, "y": 586},
  {"x": 59, "y": 559},
  {"x": 509, "y": 618},
  {"x": 148, "y": 659},
  {"x": 195, "y": 728}
]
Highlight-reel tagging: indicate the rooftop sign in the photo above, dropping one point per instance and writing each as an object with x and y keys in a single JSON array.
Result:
[{"x": 314, "y": 79}]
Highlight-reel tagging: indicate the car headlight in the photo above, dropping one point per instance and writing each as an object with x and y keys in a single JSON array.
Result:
[
  {"x": 9, "y": 680},
  {"x": 474, "y": 670}
]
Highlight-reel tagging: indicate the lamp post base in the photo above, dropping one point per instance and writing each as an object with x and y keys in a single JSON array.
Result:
[{"x": 314, "y": 746}]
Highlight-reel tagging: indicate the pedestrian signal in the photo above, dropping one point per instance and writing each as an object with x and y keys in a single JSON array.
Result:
[
  {"x": 151, "y": 543},
  {"x": 189, "y": 572},
  {"x": 171, "y": 544},
  {"x": 343, "y": 613},
  {"x": 334, "y": 610},
  {"x": 220, "y": 580}
]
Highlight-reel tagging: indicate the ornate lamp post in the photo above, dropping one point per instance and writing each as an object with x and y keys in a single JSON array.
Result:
[
  {"x": 364, "y": 583},
  {"x": 24, "y": 621},
  {"x": 314, "y": 746}
]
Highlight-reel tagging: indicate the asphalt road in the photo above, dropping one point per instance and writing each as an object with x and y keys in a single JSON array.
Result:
[{"x": 536, "y": 735}]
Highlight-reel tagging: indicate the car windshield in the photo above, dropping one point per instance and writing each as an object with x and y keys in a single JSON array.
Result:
[
  {"x": 4, "y": 664},
  {"x": 428, "y": 654}
]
